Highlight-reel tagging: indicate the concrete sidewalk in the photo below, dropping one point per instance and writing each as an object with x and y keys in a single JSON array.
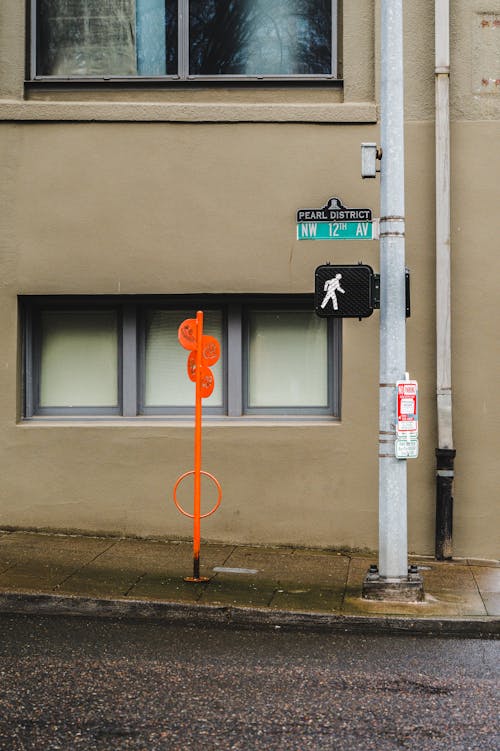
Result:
[{"x": 83, "y": 575}]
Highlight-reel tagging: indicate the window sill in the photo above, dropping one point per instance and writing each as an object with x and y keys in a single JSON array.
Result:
[
  {"x": 163, "y": 421},
  {"x": 212, "y": 112}
]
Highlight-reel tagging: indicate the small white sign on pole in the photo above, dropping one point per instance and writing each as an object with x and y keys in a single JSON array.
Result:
[{"x": 406, "y": 446}]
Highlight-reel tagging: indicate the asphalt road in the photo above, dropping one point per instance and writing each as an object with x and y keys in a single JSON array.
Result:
[{"x": 74, "y": 683}]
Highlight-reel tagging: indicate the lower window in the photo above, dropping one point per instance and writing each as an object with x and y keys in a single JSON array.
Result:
[{"x": 121, "y": 356}]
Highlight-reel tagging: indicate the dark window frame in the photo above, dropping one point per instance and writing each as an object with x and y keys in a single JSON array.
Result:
[
  {"x": 183, "y": 76},
  {"x": 131, "y": 313}
]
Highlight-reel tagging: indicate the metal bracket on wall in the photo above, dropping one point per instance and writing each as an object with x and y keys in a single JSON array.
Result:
[
  {"x": 407, "y": 288},
  {"x": 376, "y": 292}
]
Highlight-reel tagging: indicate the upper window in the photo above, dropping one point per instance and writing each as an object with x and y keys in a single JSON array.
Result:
[
  {"x": 184, "y": 39},
  {"x": 108, "y": 356}
]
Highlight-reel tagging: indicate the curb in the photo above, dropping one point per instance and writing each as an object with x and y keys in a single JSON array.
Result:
[{"x": 244, "y": 617}]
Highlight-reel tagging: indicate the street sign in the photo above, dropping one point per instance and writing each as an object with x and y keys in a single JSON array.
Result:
[
  {"x": 343, "y": 291},
  {"x": 407, "y": 409},
  {"x": 334, "y": 211},
  {"x": 334, "y": 221},
  {"x": 336, "y": 231}
]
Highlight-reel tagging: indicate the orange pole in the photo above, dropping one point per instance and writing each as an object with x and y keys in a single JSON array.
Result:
[
  {"x": 200, "y": 373},
  {"x": 197, "y": 450}
]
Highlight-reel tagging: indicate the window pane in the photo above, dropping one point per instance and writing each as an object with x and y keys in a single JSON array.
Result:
[
  {"x": 79, "y": 358},
  {"x": 106, "y": 37},
  {"x": 260, "y": 37},
  {"x": 287, "y": 360},
  {"x": 166, "y": 380},
  {"x": 156, "y": 37}
]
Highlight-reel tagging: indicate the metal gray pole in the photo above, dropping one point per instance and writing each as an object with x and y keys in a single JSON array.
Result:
[{"x": 393, "y": 546}]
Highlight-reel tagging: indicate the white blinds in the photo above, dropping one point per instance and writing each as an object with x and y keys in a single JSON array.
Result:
[
  {"x": 79, "y": 358},
  {"x": 287, "y": 360},
  {"x": 166, "y": 380}
]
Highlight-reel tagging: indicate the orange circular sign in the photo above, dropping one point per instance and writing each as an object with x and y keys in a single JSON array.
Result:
[
  {"x": 207, "y": 381},
  {"x": 210, "y": 350},
  {"x": 191, "y": 366},
  {"x": 187, "y": 333}
]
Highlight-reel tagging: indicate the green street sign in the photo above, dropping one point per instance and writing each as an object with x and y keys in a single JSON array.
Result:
[{"x": 335, "y": 231}]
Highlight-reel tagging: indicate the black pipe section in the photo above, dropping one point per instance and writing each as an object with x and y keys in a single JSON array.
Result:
[{"x": 444, "y": 503}]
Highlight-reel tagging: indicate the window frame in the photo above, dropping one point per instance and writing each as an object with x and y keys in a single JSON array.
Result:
[
  {"x": 183, "y": 76},
  {"x": 131, "y": 316}
]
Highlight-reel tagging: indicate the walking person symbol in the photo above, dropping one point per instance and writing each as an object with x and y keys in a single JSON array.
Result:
[{"x": 332, "y": 286}]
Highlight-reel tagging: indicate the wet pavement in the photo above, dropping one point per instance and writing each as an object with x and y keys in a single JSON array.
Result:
[
  {"x": 42, "y": 572},
  {"x": 97, "y": 684}
]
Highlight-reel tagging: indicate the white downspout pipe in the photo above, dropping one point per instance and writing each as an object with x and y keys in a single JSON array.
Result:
[{"x": 445, "y": 452}]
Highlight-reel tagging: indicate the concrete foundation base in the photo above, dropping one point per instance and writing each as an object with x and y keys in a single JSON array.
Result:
[{"x": 404, "y": 589}]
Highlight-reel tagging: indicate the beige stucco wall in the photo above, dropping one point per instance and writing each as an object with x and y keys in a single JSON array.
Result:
[
  {"x": 476, "y": 355},
  {"x": 113, "y": 213},
  {"x": 475, "y": 55},
  {"x": 97, "y": 197}
]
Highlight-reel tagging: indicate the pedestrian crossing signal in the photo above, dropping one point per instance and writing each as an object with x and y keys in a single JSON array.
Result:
[{"x": 344, "y": 291}]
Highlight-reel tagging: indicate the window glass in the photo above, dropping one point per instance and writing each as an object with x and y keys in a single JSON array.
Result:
[
  {"x": 107, "y": 37},
  {"x": 78, "y": 358},
  {"x": 166, "y": 380},
  {"x": 87, "y": 37},
  {"x": 287, "y": 359},
  {"x": 122, "y": 356},
  {"x": 129, "y": 38},
  {"x": 151, "y": 39},
  {"x": 260, "y": 37}
]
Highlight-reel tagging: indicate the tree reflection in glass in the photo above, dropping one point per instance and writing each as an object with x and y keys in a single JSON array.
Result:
[{"x": 260, "y": 37}]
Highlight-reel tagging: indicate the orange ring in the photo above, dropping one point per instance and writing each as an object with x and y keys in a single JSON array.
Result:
[{"x": 217, "y": 484}]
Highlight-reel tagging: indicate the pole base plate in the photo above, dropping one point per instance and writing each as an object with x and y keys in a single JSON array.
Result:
[
  {"x": 404, "y": 589},
  {"x": 196, "y": 579}
]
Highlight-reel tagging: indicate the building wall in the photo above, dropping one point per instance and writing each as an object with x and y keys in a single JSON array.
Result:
[
  {"x": 195, "y": 191},
  {"x": 475, "y": 111}
]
